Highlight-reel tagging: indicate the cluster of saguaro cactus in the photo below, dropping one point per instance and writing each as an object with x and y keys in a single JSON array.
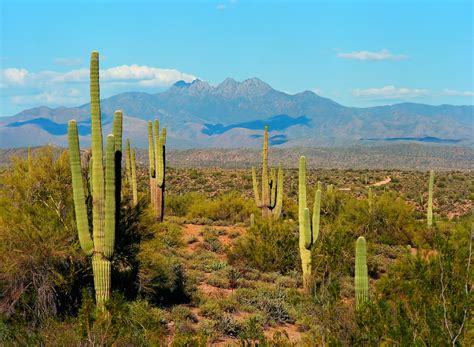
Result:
[
  {"x": 271, "y": 201},
  {"x": 157, "y": 167},
  {"x": 361, "y": 278},
  {"x": 131, "y": 171},
  {"x": 105, "y": 188},
  {"x": 308, "y": 227},
  {"x": 429, "y": 214}
]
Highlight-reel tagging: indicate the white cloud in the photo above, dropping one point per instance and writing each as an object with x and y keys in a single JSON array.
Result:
[
  {"x": 390, "y": 93},
  {"x": 14, "y": 76},
  {"x": 220, "y": 7},
  {"x": 68, "y": 61},
  {"x": 144, "y": 76},
  {"x": 384, "y": 54},
  {"x": 450, "y": 92}
]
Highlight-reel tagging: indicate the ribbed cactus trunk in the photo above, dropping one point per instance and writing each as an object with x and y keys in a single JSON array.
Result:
[
  {"x": 429, "y": 214},
  {"x": 308, "y": 227},
  {"x": 157, "y": 170},
  {"x": 104, "y": 190},
  {"x": 271, "y": 201},
  {"x": 361, "y": 279},
  {"x": 130, "y": 164}
]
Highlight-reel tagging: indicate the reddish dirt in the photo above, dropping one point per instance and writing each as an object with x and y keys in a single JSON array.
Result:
[{"x": 214, "y": 292}]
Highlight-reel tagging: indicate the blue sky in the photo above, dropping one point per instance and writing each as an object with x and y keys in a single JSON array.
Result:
[{"x": 358, "y": 53}]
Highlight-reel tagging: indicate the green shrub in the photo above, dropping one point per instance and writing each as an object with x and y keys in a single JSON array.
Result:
[{"x": 267, "y": 247}]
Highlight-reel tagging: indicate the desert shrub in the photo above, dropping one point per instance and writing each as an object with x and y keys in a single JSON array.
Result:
[
  {"x": 179, "y": 205},
  {"x": 41, "y": 265},
  {"x": 267, "y": 247},
  {"x": 271, "y": 302},
  {"x": 230, "y": 207}
]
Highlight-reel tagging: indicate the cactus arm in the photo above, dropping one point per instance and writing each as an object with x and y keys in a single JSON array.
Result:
[
  {"x": 163, "y": 135},
  {"x": 316, "y": 215},
  {"x": 361, "y": 280},
  {"x": 160, "y": 167},
  {"x": 91, "y": 165},
  {"x": 82, "y": 222},
  {"x": 308, "y": 242},
  {"x": 429, "y": 215},
  {"x": 134, "y": 178},
  {"x": 319, "y": 186},
  {"x": 117, "y": 130},
  {"x": 301, "y": 189},
  {"x": 109, "y": 235},
  {"x": 151, "y": 154},
  {"x": 128, "y": 162},
  {"x": 252, "y": 220},
  {"x": 255, "y": 187},
  {"x": 273, "y": 188},
  {"x": 156, "y": 141},
  {"x": 265, "y": 182},
  {"x": 279, "y": 195}
]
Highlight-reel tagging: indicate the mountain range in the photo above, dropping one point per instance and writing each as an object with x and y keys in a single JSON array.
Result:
[{"x": 232, "y": 115}]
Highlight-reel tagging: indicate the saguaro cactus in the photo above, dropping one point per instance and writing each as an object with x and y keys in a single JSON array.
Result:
[
  {"x": 429, "y": 214},
  {"x": 157, "y": 160},
  {"x": 131, "y": 171},
  {"x": 271, "y": 201},
  {"x": 308, "y": 227},
  {"x": 361, "y": 279},
  {"x": 104, "y": 188},
  {"x": 370, "y": 199}
]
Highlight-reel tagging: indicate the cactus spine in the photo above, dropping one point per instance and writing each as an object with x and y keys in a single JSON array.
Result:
[
  {"x": 271, "y": 201},
  {"x": 429, "y": 214},
  {"x": 308, "y": 230},
  {"x": 131, "y": 170},
  {"x": 157, "y": 167},
  {"x": 104, "y": 190},
  {"x": 361, "y": 279}
]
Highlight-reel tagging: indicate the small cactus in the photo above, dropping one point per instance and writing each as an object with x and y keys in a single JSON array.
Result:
[
  {"x": 252, "y": 220},
  {"x": 271, "y": 201},
  {"x": 361, "y": 278},
  {"x": 157, "y": 167},
  {"x": 308, "y": 227},
  {"x": 429, "y": 214},
  {"x": 370, "y": 199}
]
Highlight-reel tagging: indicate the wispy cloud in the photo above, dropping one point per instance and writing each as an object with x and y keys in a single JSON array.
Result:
[
  {"x": 220, "y": 7},
  {"x": 384, "y": 54},
  {"x": 450, "y": 92},
  {"x": 68, "y": 61},
  {"x": 390, "y": 93}
]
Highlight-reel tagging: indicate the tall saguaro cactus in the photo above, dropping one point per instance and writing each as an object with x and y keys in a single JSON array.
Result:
[
  {"x": 361, "y": 278},
  {"x": 131, "y": 170},
  {"x": 271, "y": 201},
  {"x": 308, "y": 227},
  {"x": 429, "y": 213},
  {"x": 157, "y": 163},
  {"x": 104, "y": 190}
]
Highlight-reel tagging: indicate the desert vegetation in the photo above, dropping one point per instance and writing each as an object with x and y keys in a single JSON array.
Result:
[{"x": 90, "y": 256}]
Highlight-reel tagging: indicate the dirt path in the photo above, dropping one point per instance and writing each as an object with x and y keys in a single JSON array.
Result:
[{"x": 382, "y": 183}]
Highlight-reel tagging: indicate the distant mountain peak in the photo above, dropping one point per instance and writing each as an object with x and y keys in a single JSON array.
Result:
[
  {"x": 196, "y": 87},
  {"x": 248, "y": 88}
]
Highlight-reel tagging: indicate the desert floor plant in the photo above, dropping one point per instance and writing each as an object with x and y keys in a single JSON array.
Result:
[
  {"x": 104, "y": 190},
  {"x": 157, "y": 167},
  {"x": 271, "y": 200},
  {"x": 361, "y": 279},
  {"x": 308, "y": 229}
]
